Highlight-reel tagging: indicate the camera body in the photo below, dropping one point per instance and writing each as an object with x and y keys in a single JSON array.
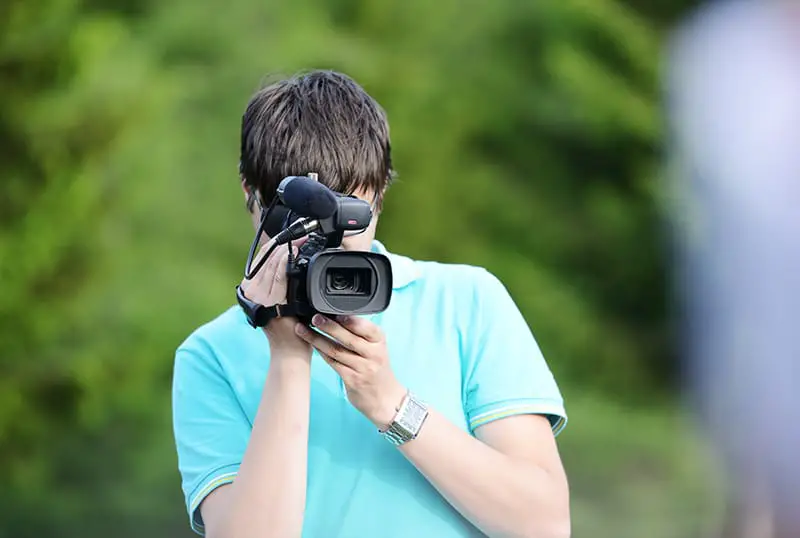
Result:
[
  {"x": 323, "y": 277},
  {"x": 333, "y": 281}
]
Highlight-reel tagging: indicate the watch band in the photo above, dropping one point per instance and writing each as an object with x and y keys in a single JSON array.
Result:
[
  {"x": 397, "y": 436},
  {"x": 407, "y": 423}
]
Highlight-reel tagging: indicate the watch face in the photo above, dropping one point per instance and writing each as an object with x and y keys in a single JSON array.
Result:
[{"x": 413, "y": 416}]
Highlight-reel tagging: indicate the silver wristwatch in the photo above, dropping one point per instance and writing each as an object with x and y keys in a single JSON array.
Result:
[{"x": 407, "y": 423}]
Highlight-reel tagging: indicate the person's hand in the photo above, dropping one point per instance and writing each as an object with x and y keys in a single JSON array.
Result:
[
  {"x": 268, "y": 287},
  {"x": 357, "y": 351}
]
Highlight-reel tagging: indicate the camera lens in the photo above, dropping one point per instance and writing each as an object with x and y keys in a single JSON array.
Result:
[
  {"x": 340, "y": 281},
  {"x": 348, "y": 281}
]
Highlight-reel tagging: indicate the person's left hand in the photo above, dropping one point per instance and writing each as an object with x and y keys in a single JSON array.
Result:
[{"x": 357, "y": 351}]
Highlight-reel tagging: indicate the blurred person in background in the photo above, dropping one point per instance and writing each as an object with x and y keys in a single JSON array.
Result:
[
  {"x": 274, "y": 443},
  {"x": 734, "y": 81}
]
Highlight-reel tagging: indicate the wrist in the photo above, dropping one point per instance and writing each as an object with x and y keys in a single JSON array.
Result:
[
  {"x": 291, "y": 374},
  {"x": 289, "y": 353},
  {"x": 407, "y": 422},
  {"x": 385, "y": 412},
  {"x": 283, "y": 340}
]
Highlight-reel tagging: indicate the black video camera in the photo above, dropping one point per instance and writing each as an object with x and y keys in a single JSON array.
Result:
[{"x": 323, "y": 278}]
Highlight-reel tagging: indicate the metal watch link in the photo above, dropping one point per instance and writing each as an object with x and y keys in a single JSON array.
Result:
[{"x": 408, "y": 421}]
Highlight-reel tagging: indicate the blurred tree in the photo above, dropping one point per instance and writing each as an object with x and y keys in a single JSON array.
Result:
[
  {"x": 527, "y": 139},
  {"x": 576, "y": 137},
  {"x": 72, "y": 82}
]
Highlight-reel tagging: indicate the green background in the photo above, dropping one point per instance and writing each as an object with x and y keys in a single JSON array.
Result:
[{"x": 529, "y": 133}]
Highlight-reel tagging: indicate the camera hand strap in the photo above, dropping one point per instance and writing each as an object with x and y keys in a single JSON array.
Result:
[{"x": 259, "y": 315}]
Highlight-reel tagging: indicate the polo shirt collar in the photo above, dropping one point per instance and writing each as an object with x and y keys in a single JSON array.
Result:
[{"x": 404, "y": 270}]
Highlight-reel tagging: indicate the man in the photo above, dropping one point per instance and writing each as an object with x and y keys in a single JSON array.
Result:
[{"x": 283, "y": 432}]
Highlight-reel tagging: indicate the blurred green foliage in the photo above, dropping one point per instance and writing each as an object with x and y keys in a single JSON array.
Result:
[{"x": 528, "y": 132}]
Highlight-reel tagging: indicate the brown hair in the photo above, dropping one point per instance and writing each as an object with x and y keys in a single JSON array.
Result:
[{"x": 322, "y": 122}]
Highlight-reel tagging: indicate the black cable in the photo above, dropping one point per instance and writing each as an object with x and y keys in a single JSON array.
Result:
[{"x": 250, "y": 272}]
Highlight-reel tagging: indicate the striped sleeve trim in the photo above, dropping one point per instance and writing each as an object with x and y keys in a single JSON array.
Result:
[
  {"x": 194, "y": 515},
  {"x": 555, "y": 413}
]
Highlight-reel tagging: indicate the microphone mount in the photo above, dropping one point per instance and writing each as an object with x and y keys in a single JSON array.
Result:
[{"x": 341, "y": 213}]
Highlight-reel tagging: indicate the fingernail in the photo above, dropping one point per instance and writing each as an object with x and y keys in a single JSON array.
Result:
[
  {"x": 300, "y": 329},
  {"x": 343, "y": 319},
  {"x": 319, "y": 319}
]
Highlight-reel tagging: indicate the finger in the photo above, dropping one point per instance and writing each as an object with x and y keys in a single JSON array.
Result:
[
  {"x": 260, "y": 255},
  {"x": 299, "y": 242},
  {"x": 361, "y": 327},
  {"x": 273, "y": 259},
  {"x": 344, "y": 371},
  {"x": 328, "y": 347},
  {"x": 264, "y": 277},
  {"x": 339, "y": 333},
  {"x": 277, "y": 277},
  {"x": 296, "y": 244},
  {"x": 266, "y": 246},
  {"x": 266, "y": 266},
  {"x": 257, "y": 281}
]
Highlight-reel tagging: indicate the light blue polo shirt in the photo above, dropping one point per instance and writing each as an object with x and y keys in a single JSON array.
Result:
[{"x": 455, "y": 338}]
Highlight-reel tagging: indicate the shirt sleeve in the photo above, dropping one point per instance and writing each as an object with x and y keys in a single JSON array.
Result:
[
  {"x": 211, "y": 429},
  {"x": 505, "y": 372}
]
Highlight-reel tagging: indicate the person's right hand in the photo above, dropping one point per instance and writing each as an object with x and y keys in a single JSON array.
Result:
[{"x": 268, "y": 287}]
